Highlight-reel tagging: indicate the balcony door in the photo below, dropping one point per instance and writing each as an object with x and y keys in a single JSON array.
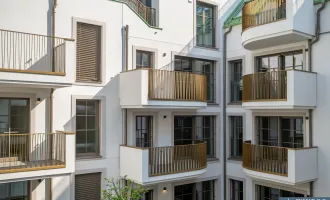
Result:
[
  {"x": 144, "y": 131},
  {"x": 14, "y": 119},
  {"x": 281, "y": 131}
]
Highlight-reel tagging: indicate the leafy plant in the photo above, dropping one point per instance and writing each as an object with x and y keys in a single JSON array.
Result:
[{"x": 118, "y": 190}]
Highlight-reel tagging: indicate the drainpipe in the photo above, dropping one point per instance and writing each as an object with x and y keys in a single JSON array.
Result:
[
  {"x": 126, "y": 60},
  {"x": 310, "y": 43},
  {"x": 224, "y": 111},
  {"x": 51, "y": 93}
]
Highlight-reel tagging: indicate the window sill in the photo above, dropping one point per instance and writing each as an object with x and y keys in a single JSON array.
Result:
[
  {"x": 84, "y": 158},
  {"x": 235, "y": 159},
  {"x": 212, "y": 104},
  {"x": 238, "y": 103},
  {"x": 207, "y": 47},
  {"x": 213, "y": 160}
]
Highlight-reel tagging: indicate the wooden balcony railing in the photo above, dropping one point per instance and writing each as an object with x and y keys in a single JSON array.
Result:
[
  {"x": 265, "y": 86},
  {"x": 269, "y": 159},
  {"x": 177, "y": 159},
  {"x": 148, "y": 14},
  {"x": 259, "y": 12},
  {"x": 32, "y": 151},
  {"x": 172, "y": 85},
  {"x": 31, "y": 53}
]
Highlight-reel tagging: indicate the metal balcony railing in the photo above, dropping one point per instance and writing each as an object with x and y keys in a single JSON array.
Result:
[
  {"x": 32, "y": 151},
  {"x": 26, "y": 52}
]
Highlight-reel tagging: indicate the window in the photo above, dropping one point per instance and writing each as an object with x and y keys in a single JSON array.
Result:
[
  {"x": 205, "y": 25},
  {"x": 199, "y": 66},
  {"x": 267, "y": 193},
  {"x": 236, "y": 190},
  {"x": 144, "y": 59},
  {"x": 187, "y": 129},
  {"x": 14, "y": 191},
  {"x": 236, "y": 81},
  {"x": 148, "y": 195},
  {"x": 236, "y": 136},
  {"x": 88, "y": 53},
  {"x": 281, "y": 131},
  {"x": 144, "y": 131},
  {"x": 87, "y": 127},
  {"x": 88, "y": 186},
  {"x": 197, "y": 191},
  {"x": 282, "y": 61}
]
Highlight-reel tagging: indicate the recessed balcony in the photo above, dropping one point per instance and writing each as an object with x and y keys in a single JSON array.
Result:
[
  {"x": 151, "y": 88},
  {"x": 278, "y": 164},
  {"x": 162, "y": 164},
  {"x": 25, "y": 153},
  {"x": 34, "y": 60},
  {"x": 280, "y": 89},
  {"x": 267, "y": 23}
]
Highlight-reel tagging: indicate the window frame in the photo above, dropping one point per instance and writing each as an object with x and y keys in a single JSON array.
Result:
[
  {"x": 280, "y": 61},
  {"x": 151, "y": 59},
  {"x": 236, "y": 83},
  {"x": 232, "y": 184},
  {"x": 97, "y": 126},
  {"x": 27, "y": 185},
  {"x": 195, "y": 191},
  {"x": 192, "y": 69},
  {"x": 279, "y": 142},
  {"x": 194, "y": 130},
  {"x": 236, "y": 120},
  {"x": 150, "y": 130},
  {"x": 259, "y": 188},
  {"x": 214, "y": 15}
]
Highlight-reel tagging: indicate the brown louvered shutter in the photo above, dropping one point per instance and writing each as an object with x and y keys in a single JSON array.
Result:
[
  {"x": 88, "y": 186},
  {"x": 88, "y": 53}
]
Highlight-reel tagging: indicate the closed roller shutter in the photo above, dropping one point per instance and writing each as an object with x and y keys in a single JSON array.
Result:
[
  {"x": 88, "y": 53},
  {"x": 88, "y": 186}
]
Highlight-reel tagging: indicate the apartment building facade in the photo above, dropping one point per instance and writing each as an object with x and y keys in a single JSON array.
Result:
[{"x": 136, "y": 89}]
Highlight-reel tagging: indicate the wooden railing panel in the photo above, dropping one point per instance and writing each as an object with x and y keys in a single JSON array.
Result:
[
  {"x": 32, "y": 151},
  {"x": 267, "y": 159},
  {"x": 177, "y": 159},
  {"x": 265, "y": 86},
  {"x": 173, "y": 85},
  {"x": 259, "y": 12},
  {"x": 31, "y": 52}
]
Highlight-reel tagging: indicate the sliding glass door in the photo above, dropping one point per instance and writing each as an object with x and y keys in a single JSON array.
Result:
[{"x": 14, "y": 119}]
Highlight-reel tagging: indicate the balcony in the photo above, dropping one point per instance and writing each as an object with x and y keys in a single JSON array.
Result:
[
  {"x": 161, "y": 164},
  {"x": 35, "y": 60},
  {"x": 267, "y": 23},
  {"x": 147, "y": 14},
  {"x": 279, "y": 164},
  {"x": 284, "y": 89},
  {"x": 151, "y": 88},
  {"x": 44, "y": 153}
]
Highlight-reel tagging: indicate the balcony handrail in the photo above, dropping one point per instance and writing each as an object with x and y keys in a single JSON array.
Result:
[
  {"x": 260, "y": 12},
  {"x": 32, "y": 53},
  {"x": 268, "y": 159},
  {"x": 263, "y": 86},
  {"x": 166, "y": 160},
  {"x": 176, "y": 86},
  {"x": 21, "y": 152},
  {"x": 148, "y": 14}
]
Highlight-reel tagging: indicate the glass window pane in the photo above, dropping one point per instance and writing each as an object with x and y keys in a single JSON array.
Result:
[
  {"x": 288, "y": 61},
  {"x": 199, "y": 37},
  {"x": 4, "y": 126},
  {"x": 92, "y": 138},
  {"x": 81, "y": 141},
  {"x": 199, "y": 21},
  {"x": 91, "y": 122},
  {"x": 18, "y": 189},
  {"x": 298, "y": 60},
  {"x": 145, "y": 60},
  {"x": 208, "y": 12},
  {"x": 81, "y": 108},
  {"x": 4, "y": 106},
  {"x": 80, "y": 122},
  {"x": 138, "y": 59},
  {"x": 273, "y": 62},
  {"x": 91, "y": 107},
  {"x": 199, "y": 9},
  {"x": 208, "y": 37},
  {"x": 4, "y": 190}
]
